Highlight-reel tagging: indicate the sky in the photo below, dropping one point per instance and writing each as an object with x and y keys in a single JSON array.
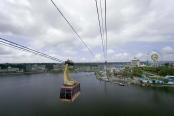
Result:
[{"x": 136, "y": 28}]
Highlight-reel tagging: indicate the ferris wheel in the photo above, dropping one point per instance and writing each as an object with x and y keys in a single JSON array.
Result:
[{"x": 154, "y": 57}]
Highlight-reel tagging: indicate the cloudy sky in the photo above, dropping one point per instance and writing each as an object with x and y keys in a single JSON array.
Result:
[{"x": 136, "y": 28}]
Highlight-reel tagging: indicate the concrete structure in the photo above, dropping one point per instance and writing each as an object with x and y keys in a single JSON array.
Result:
[
  {"x": 135, "y": 62},
  {"x": 57, "y": 67},
  {"x": 35, "y": 68},
  {"x": 38, "y": 68},
  {"x": 28, "y": 68},
  {"x": 3, "y": 70},
  {"x": 10, "y": 69},
  {"x": 142, "y": 65},
  {"x": 88, "y": 67}
]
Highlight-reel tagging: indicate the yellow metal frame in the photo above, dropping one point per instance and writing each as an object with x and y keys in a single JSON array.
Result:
[{"x": 67, "y": 79}]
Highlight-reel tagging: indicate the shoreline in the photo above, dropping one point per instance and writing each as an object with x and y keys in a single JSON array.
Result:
[
  {"x": 21, "y": 73},
  {"x": 134, "y": 82}
]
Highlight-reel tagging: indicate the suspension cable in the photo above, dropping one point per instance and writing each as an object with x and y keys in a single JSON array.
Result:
[
  {"x": 106, "y": 39},
  {"x": 106, "y": 29},
  {"x": 23, "y": 48},
  {"x": 73, "y": 29},
  {"x": 102, "y": 25},
  {"x": 100, "y": 28}
]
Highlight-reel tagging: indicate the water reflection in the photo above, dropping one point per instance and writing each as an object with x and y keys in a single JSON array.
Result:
[
  {"x": 105, "y": 88},
  {"x": 37, "y": 94}
]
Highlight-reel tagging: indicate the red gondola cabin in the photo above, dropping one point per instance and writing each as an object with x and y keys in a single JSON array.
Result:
[{"x": 69, "y": 93}]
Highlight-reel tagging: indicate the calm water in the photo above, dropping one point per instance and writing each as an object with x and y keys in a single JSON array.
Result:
[{"x": 38, "y": 95}]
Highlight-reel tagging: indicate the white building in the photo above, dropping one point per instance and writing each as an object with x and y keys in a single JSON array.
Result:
[
  {"x": 135, "y": 62},
  {"x": 10, "y": 69},
  {"x": 57, "y": 67},
  {"x": 169, "y": 77},
  {"x": 3, "y": 70},
  {"x": 38, "y": 68}
]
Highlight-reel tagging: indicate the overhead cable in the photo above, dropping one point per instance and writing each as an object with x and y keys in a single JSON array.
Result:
[
  {"x": 73, "y": 29},
  {"x": 106, "y": 29},
  {"x": 24, "y": 48},
  {"x": 101, "y": 35}
]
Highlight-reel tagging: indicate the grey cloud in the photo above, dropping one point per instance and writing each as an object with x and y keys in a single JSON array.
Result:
[
  {"x": 4, "y": 51},
  {"x": 128, "y": 20}
]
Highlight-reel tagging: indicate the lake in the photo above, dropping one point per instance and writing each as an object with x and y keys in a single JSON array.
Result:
[{"x": 38, "y": 95}]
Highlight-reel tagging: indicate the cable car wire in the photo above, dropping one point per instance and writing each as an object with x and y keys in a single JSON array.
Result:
[
  {"x": 73, "y": 28},
  {"x": 106, "y": 29},
  {"x": 102, "y": 25},
  {"x": 100, "y": 28},
  {"x": 26, "y": 50},
  {"x": 106, "y": 37},
  {"x": 18, "y": 46}
]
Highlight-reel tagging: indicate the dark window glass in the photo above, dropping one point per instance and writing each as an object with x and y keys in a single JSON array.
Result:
[
  {"x": 72, "y": 92},
  {"x": 62, "y": 93},
  {"x": 76, "y": 89},
  {"x": 68, "y": 91},
  {"x": 68, "y": 95}
]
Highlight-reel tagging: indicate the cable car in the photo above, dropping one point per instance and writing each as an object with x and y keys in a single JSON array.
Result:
[
  {"x": 71, "y": 88},
  {"x": 70, "y": 93}
]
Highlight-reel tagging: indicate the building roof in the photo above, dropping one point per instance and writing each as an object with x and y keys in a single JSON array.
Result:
[
  {"x": 169, "y": 76},
  {"x": 135, "y": 59}
]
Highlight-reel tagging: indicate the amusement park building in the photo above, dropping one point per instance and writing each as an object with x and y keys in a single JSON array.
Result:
[{"x": 135, "y": 62}]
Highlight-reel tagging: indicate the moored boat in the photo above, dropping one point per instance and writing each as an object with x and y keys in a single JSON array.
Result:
[
  {"x": 115, "y": 82},
  {"x": 121, "y": 84}
]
